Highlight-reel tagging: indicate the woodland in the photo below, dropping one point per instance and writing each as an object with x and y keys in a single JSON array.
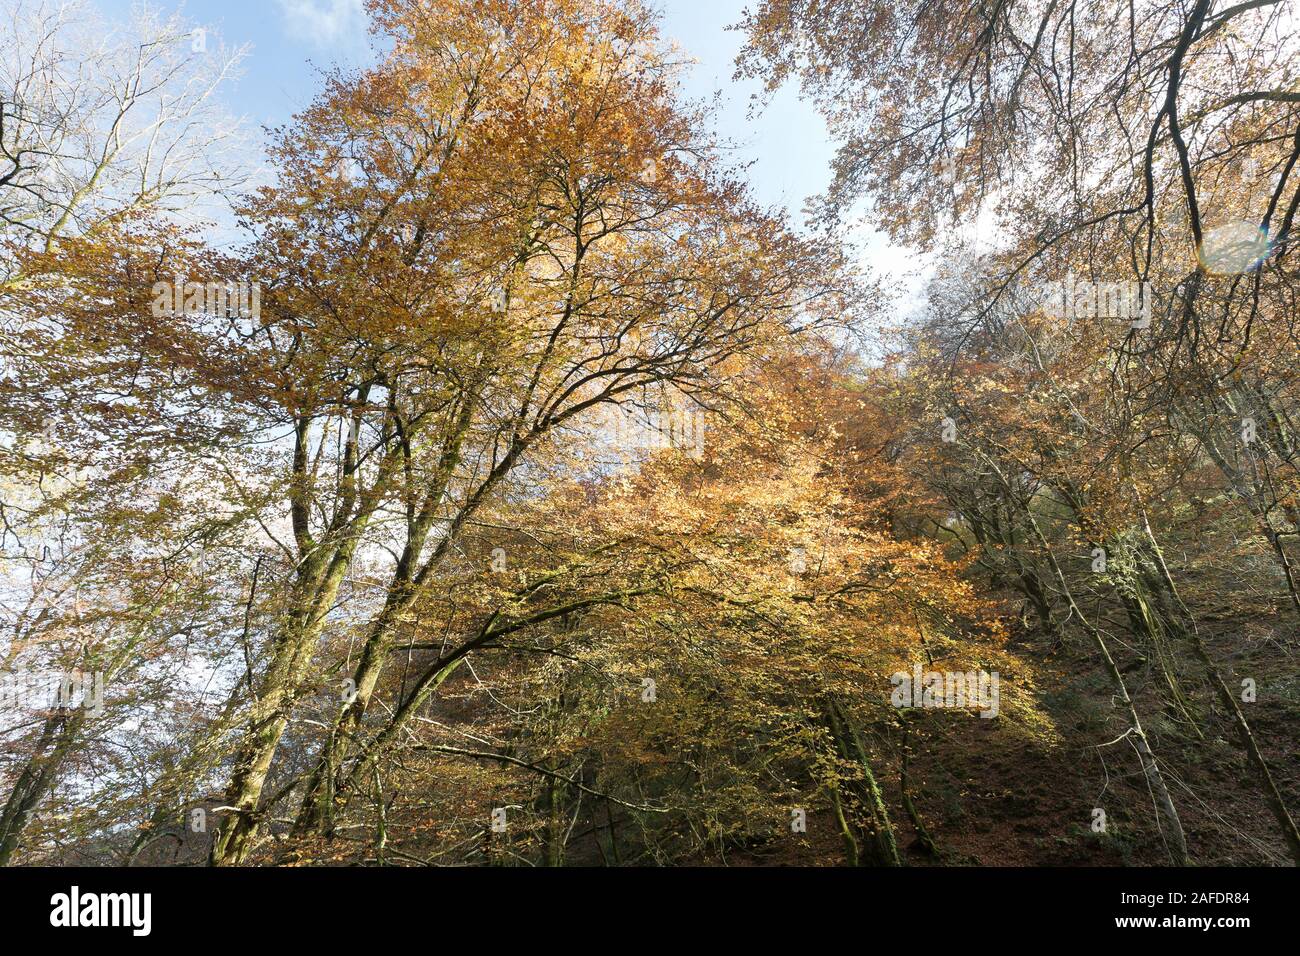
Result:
[{"x": 516, "y": 489}]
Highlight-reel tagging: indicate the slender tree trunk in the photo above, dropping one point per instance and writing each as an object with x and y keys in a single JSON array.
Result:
[
  {"x": 59, "y": 733},
  {"x": 317, "y": 809},
  {"x": 1272, "y": 795},
  {"x": 875, "y": 843},
  {"x": 922, "y": 832},
  {"x": 851, "y": 852},
  {"x": 1176, "y": 838},
  {"x": 291, "y": 654},
  {"x": 1148, "y": 621},
  {"x": 376, "y": 747}
]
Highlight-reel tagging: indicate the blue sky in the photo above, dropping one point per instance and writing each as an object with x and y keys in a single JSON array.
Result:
[{"x": 291, "y": 41}]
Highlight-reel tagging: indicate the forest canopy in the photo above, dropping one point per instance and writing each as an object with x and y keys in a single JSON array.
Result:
[{"x": 520, "y": 490}]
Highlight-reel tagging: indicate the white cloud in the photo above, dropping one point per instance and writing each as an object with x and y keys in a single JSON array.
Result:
[{"x": 324, "y": 22}]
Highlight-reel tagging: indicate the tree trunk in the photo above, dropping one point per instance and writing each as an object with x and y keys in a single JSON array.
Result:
[
  {"x": 1160, "y": 791},
  {"x": 58, "y": 735},
  {"x": 875, "y": 844},
  {"x": 1271, "y": 794},
  {"x": 291, "y": 655}
]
